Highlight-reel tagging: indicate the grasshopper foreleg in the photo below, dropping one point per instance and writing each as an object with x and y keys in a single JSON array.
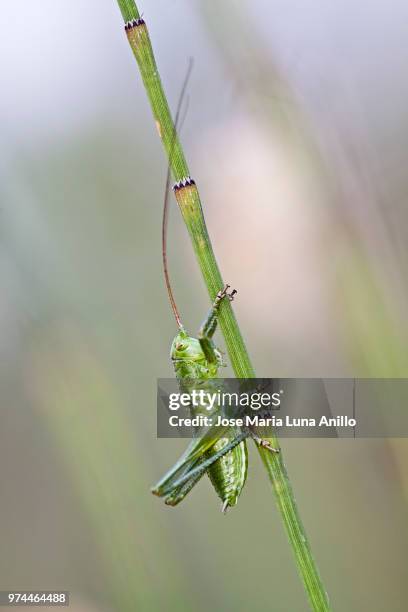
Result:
[
  {"x": 264, "y": 443},
  {"x": 209, "y": 326}
]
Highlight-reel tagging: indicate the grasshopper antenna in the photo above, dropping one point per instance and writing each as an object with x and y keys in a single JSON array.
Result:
[{"x": 166, "y": 196}]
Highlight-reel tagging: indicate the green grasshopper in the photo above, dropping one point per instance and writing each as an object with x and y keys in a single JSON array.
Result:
[{"x": 225, "y": 459}]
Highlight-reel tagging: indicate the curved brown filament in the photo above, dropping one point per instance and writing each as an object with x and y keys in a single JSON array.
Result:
[{"x": 166, "y": 197}]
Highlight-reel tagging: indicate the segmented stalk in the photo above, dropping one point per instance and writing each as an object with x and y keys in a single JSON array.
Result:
[{"x": 190, "y": 205}]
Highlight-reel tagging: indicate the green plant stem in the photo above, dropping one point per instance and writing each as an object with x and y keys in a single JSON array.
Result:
[{"x": 189, "y": 203}]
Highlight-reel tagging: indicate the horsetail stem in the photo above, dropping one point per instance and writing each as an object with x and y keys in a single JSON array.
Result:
[
  {"x": 188, "y": 199},
  {"x": 129, "y": 10}
]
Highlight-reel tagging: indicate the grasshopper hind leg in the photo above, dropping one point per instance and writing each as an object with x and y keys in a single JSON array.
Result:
[
  {"x": 179, "y": 493},
  {"x": 178, "y": 484}
]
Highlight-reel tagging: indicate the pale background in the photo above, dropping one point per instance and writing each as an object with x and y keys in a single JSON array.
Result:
[{"x": 297, "y": 134}]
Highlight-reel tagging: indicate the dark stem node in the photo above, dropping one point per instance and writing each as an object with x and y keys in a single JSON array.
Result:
[
  {"x": 129, "y": 25},
  {"x": 187, "y": 181}
]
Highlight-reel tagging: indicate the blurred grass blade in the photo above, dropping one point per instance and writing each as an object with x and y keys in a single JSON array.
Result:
[{"x": 87, "y": 419}]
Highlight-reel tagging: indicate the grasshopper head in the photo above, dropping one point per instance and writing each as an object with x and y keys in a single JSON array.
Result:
[
  {"x": 189, "y": 359},
  {"x": 185, "y": 347}
]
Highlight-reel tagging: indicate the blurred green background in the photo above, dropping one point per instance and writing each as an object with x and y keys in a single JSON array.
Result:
[{"x": 297, "y": 133}]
